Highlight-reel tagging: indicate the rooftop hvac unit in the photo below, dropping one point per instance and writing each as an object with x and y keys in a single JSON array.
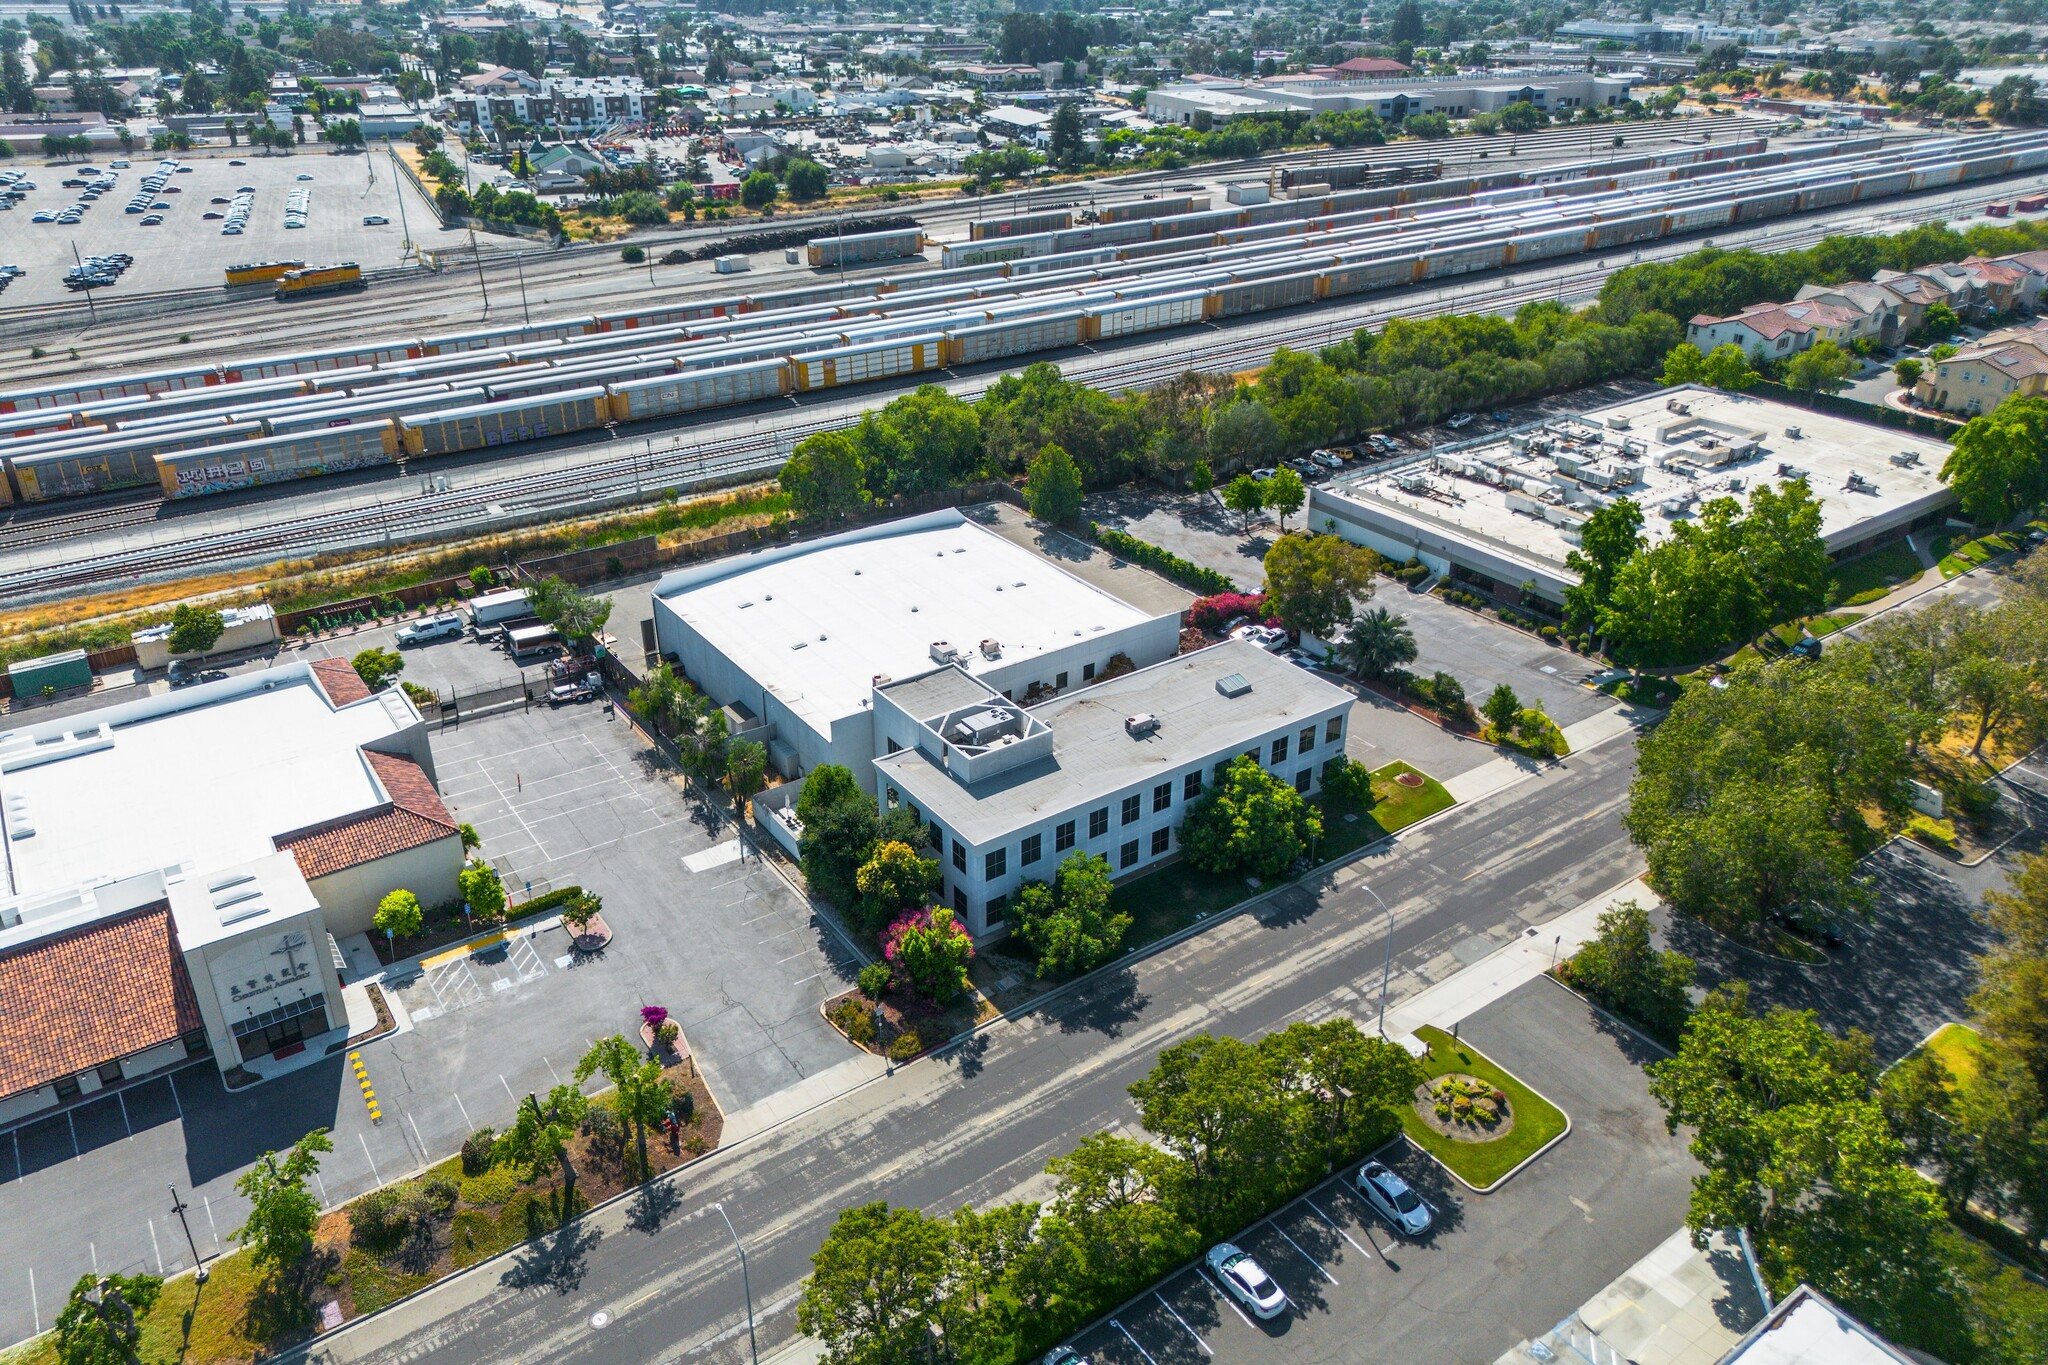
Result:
[
  {"x": 880, "y": 680},
  {"x": 944, "y": 653},
  {"x": 1906, "y": 457},
  {"x": 1786, "y": 471},
  {"x": 1792, "y": 432},
  {"x": 1675, "y": 406},
  {"x": 992, "y": 649},
  {"x": 1617, "y": 424},
  {"x": 1137, "y": 727},
  {"x": 1858, "y": 484}
]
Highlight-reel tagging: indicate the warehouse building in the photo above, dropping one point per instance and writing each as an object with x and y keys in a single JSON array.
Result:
[
  {"x": 178, "y": 868},
  {"x": 1504, "y": 510},
  {"x": 1009, "y": 791},
  {"x": 1557, "y": 92},
  {"x": 792, "y": 641}
]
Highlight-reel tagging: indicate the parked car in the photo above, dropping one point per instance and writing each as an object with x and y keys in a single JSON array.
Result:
[
  {"x": 1502, "y": 415},
  {"x": 444, "y": 627},
  {"x": 304, "y": 176},
  {"x": 1328, "y": 459},
  {"x": 1064, "y": 1355},
  {"x": 1246, "y": 1280},
  {"x": 376, "y": 220},
  {"x": 186, "y": 672},
  {"x": 1263, "y": 474},
  {"x": 1459, "y": 421},
  {"x": 1393, "y": 1199},
  {"x": 237, "y": 162}
]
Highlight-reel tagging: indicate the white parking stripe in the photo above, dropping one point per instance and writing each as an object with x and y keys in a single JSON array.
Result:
[
  {"x": 1182, "y": 1321},
  {"x": 1333, "y": 1224},
  {"x": 1304, "y": 1255},
  {"x": 1133, "y": 1340},
  {"x": 1224, "y": 1296}
]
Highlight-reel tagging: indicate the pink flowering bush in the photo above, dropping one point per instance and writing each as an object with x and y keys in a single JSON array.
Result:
[
  {"x": 929, "y": 950},
  {"x": 654, "y": 1016},
  {"x": 1213, "y": 613}
]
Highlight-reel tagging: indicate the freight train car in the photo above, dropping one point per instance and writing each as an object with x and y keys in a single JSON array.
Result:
[
  {"x": 1014, "y": 336},
  {"x": 69, "y": 471},
  {"x": 277, "y": 459},
  {"x": 73, "y": 392},
  {"x": 345, "y": 278},
  {"x": 642, "y": 400},
  {"x": 859, "y": 248},
  {"x": 496, "y": 424},
  {"x": 1151, "y": 208},
  {"x": 1145, "y": 315},
  {"x": 1024, "y": 225},
  {"x": 835, "y": 366}
]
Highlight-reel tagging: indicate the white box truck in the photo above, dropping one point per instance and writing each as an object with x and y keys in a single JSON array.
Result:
[{"x": 496, "y": 608}]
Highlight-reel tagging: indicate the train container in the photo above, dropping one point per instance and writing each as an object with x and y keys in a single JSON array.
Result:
[
  {"x": 1937, "y": 175},
  {"x": 1197, "y": 224},
  {"x": 1287, "y": 291},
  {"x": 1699, "y": 217},
  {"x": 858, "y": 248},
  {"x": 120, "y": 411},
  {"x": 46, "y": 475},
  {"x": 1884, "y": 184},
  {"x": 835, "y": 366},
  {"x": 264, "y": 272},
  {"x": 1987, "y": 167},
  {"x": 51, "y": 422},
  {"x": 345, "y": 278},
  {"x": 1827, "y": 195},
  {"x": 639, "y": 400},
  {"x": 1145, "y": 315},
  {"x": 668, "y": 316},
  {"x": 718, "y": 357},
  {"x": 278, "y": 459},
  {"x": 996, "y": 251},
  {"x": 372, "y": 409},
  {"x": 829, "y": 291},
  {"x": 1751, "y": 208},
  {"x": 1104, "y": 234},
  {"x": 1386, "y": 272},
  {"x": 74, "y": 393},
  {"x": 2029, "y": 158},
  {"x": 1014, "y": 336},
  {"x": 504, "y": 338},
  {"x": 1463, "y": 260},
  {"x": 2031, "y": 203},
  {"x": 1040, "y": 265},
  {"x": 2000, "y": 210},
  {"x": 1621, "y": 231},
  {"x": 495, "y": 424},
  {"x": 1023, "y": 225},
  {"x": 190, "y": 431},
  {"x": 1165, "y": 207},
  {"x": 316, "y": 362}
]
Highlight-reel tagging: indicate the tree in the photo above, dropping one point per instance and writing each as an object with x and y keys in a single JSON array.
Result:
[
  {"x": 1501, "y": 709},
  {"x": 1521, "y": 117},
  {"x": 398, "y": 914},
  {"x": 1248, "y": 820},
  {"x": 1821, "y": 368},
  {"x": 929, "y": 953},
  {"x": 482, "y": 890},
  {"x": 1315, "y": 582},
  {"x": 1245, "y": 496},
  {"x": 1908, "y": 372},
  {"x": 876, "y": 1285},
  {"x": 1999, "y": 462},
  {"x": 97, "y": 1325},
  {"x": 576, "y": 614},
  {"x": 1610, "y": 537},
  {"x": 840, "y": 824},
  {"x": 541, "y": 1133},
  {"x": 823, "y": 476},
  {"x": 1285, "y": 494},
  {"x": 1064, "y": 138},
  {"x": 640, "y": 1090},
  {"x": 1447, "y": 692},
  {"x": 806, "y": 180},
  {"x": 1782, "y": 547},
  {"x": 1052, "y": 486},
  {"x": 377, "y": 667},
  {"x": 1068, "y": 922},
  {"x": 1406, "y": 25},
  {"x": 1621, "y": 969},
  {"x": 283, "y": 1212},
  {"x": 1377, "y": 642},
  {"x": 1727, "y": 368},
  {"x": 758, "y": 191},
  {"x": 895, "y": 877},
  {"x": 1201, "y": 478},
  {"x": 746, "y": 767},
  {"x": 194, "y": 630}
]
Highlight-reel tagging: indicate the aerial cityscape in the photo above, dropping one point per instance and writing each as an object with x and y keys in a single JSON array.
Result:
[{"x": 1023, "y": 682}]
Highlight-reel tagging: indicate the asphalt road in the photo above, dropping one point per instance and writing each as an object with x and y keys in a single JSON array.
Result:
[{"x": 656, "y": 1278}]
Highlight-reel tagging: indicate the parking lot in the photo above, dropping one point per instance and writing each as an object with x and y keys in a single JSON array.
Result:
[
  {"x": 560, "y": 796},
  {"x": 1494, "y": 1269},
  {"x": 187, "y": 249}
]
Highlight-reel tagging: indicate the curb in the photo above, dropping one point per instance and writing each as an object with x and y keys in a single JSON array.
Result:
[{"x": 1519, "y": 1166}]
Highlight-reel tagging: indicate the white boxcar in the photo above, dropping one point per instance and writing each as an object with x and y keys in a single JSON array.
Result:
[
  {"x": 1015, "y": 336},
  {"x": 640, "y": 400},
  {"x": 1146, "y": 315},
  {"x": 834, "y": 366}
]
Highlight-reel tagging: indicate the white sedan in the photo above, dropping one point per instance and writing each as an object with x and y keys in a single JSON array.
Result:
[{"x": 1246, "y": 1280}]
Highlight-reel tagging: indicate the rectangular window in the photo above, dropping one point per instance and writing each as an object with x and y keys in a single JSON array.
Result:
[
  {"x": 1333, "y": 729},
  {"x": 1060, "y": 682},
  {"x": 1087, "y": 672},
  {"x": 1191, "y": 786},
  {"x": 1129, "y": 854},
  {"x": 1329, "y": 765},
  {"x": 959, "y": 901},
  {"x": 1302, "y": 779},
  {"x": 1162, "y": 796},
  {"x": 1132, "y": 805},
  {"x": 1307, "y": 738},
  {"x": 1098, "y": 822},
  {"x": 1280, "y": 749},
  {"x": 998, "y": 909},
  {"x": 938, "y": 836},
  {"x": 1161, "y": 837},
  {"x": 110, "y": 1073},
  {"x": 894, "y": 747},
  {"x": 67, "y": 1086},
  {"x": 1028, "y": 854},
  {"x": 959, "y": 855},
  {"x": 1063, "y": 836},
  {"x": 995, "y": 863}
]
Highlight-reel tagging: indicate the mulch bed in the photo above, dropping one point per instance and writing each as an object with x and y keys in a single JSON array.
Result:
[
  {"x": 895, "y": 1015},
  {"x": 1425, "y": 1109}
]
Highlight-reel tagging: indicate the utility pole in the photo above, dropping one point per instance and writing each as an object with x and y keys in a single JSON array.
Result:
[
  {"x": 519, "y": 264},
  {"x": 90, "y": 309},
  {"x": 744, "y": 1282},
  {"x": 477, "y": 256},
  {"x": 398, "y": 184},
  {"x": 178, "y": 1206},
  {"x": 1386, "y": 972}
]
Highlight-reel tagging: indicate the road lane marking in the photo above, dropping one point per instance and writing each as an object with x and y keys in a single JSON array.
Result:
[
  {"x": 1134, "y": 1341},
  {"x": 1183, "y": 1322}
]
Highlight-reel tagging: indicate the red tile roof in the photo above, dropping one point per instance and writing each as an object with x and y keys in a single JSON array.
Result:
[
  {"x": 341, "y": 681},
  {"x": 412, "y": 816},
  {"x": 1374, "y": 66},
  {"x": 106, "y": 990}
]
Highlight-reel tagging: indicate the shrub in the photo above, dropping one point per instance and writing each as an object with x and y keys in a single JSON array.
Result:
[
  {"x": 560, "y": 896},
  {"x": 476, "y": 1151},
  {"x": 855, "y": 1019},
  {"x": 1549, "y": 633},
  {"x": 683, "y": 1100},
  {"x": 632, "y": 255},
  {"x": 607, "y": 1135},
  {"x": 905, "y": 1045},
  {"x": 931, "y": 951},
  {"x": 1940, "y": 834},
  {"x": 1181, "y": 571},
  {"x": 874, "y": 980},
  {"x": 1214, "y": 612}
]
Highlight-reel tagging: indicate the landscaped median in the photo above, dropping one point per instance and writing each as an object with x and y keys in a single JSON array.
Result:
[
  {"x": 1474, "y": 1117},
  {"x": 1975, "y": 553}
]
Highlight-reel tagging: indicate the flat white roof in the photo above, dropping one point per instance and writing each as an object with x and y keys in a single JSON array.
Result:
[
  {"x": 203, "y": 777},
  {"x": 1807, "y": 1329},
  {"x": 814, "y": 624}
]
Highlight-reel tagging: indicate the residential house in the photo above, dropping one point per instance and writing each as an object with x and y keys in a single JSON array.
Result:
[
  {"x": 1884, "y": 317},
  {"x": 1776, "y": 331},
  {"x": 2011, "y": 362}
]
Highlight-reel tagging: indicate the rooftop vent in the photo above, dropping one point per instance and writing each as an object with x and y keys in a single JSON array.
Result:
[
  {"x": 1137, "y": 727},
  {"x": 880, "y": 680},
  {"x": 1786, "y": 471},
  {"x": 992, "y": 648},
  {"x": 943, "y": 653},
  {"x": 1235, "y": 685},
  {"x": 1906, "y": 457}
]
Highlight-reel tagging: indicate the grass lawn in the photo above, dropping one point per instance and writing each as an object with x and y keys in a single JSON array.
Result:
[
  {"x": 190, "y": 1323},
  {"x": 1958, "y": 1047},
  {"x": 1968, "y": 556},
  {"x": 1481, "y": 1164},
  {"x": 1864, "y": 579}
]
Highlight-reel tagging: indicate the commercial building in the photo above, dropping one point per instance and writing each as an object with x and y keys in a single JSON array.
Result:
[
  {"x": 177, "y": 870},
  {"x": 1505, "y": 509},
  {"x": 577, "y": 104},
  {"x": 792, "y": 641},
  {"x": 1807, "y": 1328},
  {"x": 1561, "y": 91},
  {"x": 1009, "y": 791}
]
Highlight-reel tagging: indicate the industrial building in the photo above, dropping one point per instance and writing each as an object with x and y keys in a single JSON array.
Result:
[
  {"x": 793, "y": 641},
  {"x": 1558, "y": 91},
  {"x": 177, "y": 870},
  {"x": 1507, "y": 508},
  {"x": 1009, "y": 791}
]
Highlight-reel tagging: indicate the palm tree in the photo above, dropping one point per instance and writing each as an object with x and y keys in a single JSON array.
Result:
[{"x": 1378, "y": 642}]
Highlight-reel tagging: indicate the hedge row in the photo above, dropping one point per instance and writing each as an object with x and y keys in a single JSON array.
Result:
[{"x": 1181, "y": 571}]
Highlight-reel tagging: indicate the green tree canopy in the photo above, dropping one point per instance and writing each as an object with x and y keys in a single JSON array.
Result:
[
  {"x": 398, "y": 914},
  {"x": 194, "y": 630},
  {"x": 1052, "y": 486},
  {"x": 1248, "y": 821},
  {"x": 1314, "y": 583},
  {"x": 1245, "y": 496},
  {"x": 823, "y": 476},
  {"x": 283, "y": 1210},
  {"x": 1377, "y": 642},
  {"x": 1999, "y": 462},
  {"x": 1067, "y": 921}
]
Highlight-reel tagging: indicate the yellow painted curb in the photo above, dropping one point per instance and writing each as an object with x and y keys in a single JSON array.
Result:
[{"x": 475, "y": 945}]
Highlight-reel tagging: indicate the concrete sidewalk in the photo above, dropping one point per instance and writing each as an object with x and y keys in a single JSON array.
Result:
[{"x": 1490, "y": 779}]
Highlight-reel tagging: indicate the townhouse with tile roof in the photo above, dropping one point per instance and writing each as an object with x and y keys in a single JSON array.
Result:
[{"x": 2009, "y": 363}]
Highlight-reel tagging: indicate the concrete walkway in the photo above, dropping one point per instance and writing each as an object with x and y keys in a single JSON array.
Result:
[{"x": 1490, "y": 779}]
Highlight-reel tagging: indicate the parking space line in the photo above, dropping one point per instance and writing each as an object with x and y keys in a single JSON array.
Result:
[
  {"x": 35, "y": 1304},
  {"x": 215, "y": 1226},
  {"x": 1304, "y": 1255},
  {"x": 1333, "y": 1224},
  {"x": 467, "y": 1121},
  {"x": 508, "y": 1088},
  {"x": 1183, "y": 1322},
  {"x": 156, "y": 1247},
  {"x": 372, "y": 1160},
  {"x": 1223, "y": 1296},
  {"x": 551, "y": 1069},
  {"x": 1134, "y": 1341}
]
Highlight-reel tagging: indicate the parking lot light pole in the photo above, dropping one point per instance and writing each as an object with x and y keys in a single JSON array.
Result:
[
  {"x": 1386, "y": 972},
  {"x": 178, "y": 1207},
  {"x": 745, "y": 1283}
]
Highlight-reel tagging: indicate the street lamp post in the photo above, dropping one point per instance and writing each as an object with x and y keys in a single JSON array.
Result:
[
  {"x": 1386, "y": 972},
  {"x": 746, "y": 1284},
  {"x": 178, "y": 1207}
]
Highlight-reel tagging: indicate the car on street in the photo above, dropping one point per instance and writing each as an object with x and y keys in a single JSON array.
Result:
[
  {"x": 304, "y": 176},
  {"x": 376, "y": 220},
  {"x": 1393, "y": 1199},
  {"x": 237, "y": 162},
  {"x": 1246, "y": 1280},
  {"x": 444, "y": 627},
  {"x": 1460, "y": 421},
  {"x": 1264, "y": 474}
]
